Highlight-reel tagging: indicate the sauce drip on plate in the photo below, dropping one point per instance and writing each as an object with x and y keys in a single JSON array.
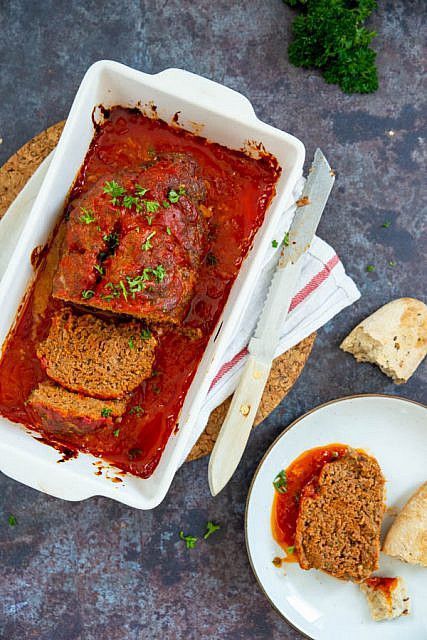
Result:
[{"x": 301, "y": 475}]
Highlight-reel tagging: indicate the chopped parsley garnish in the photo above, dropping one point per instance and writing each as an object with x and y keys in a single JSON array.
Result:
[
  {"x": 116, "y": 433},
  {"x": 112, "y": 239},
  {"x": 140, "y": 191},
  {"x": 87, "y": 294},
  {"x": 386, "y": 224},
  {"x": 145, "y": 334},
  {"x": 280, "y": 482},
  {"x": 12, "y": 520},
  {"x": 147, "y": 244},
  {"x": 392, "y": 263},
  {"x": 105, "y": 412},
  {"x": 168, "y": 231},
  {"x": 130, "y": 201},
  {"x": 285, "y": 240},
  {"x": 274, "y": 244},
  {"x": 149, "y": 219},
  {"x": 166, "y": 204},
  {"x": 88, "y": 215},
  {"x": 131, "y": 343},
  {"x": 290, "y": 550},
  {"x": 159, "y": 272},
  {"x": 370, "y": 268},
  {"x": 114, "y": 190},
  {"x": 190, "y": 541},
  {"x": 136, "y": 410},
  {"x": 136, "y": 284},
  {"x": 210, "y": 529},
  {"x": 173, "y": 196},
  {"x": 123, "y": 288},
  {"x": 151, "y": 205},
  {"x": 99, "y": 269}
]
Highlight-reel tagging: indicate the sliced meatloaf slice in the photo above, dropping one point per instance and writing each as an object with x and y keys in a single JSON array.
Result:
[
  {"x": 58, "y": 410},
  {"x": 97, "y": 357},
  {"x": 339, "y": 519},
  {"x": 134, "y": 242}
]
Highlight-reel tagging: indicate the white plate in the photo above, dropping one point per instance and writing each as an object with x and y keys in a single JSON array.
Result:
[{"x": 392, "y": 429}]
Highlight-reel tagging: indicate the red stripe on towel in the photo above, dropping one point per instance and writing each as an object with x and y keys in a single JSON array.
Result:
[{"x": 311, "y": 286}]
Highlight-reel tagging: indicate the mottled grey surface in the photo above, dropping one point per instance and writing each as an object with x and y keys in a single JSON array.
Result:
[{"x": 96, "y": 569}]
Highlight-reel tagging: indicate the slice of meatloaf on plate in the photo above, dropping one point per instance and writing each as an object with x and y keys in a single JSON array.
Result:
[
  {"x": 134, "y": 242},
  {"x": 58, "y": 410},
  {"x": 339, "y": 519},
  {"x": 97, "y": 357}
]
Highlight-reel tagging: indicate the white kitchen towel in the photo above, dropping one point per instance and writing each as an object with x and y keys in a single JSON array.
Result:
[{"x": 323, "y": 290}]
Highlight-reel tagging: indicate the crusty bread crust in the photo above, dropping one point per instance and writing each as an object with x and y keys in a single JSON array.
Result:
[
  {"x": 394, "y": 338},
  {"x": 407, "y": 537}
]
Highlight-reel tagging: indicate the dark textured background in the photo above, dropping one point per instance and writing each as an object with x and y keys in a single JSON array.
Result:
[{"x": 97, "y": 569}]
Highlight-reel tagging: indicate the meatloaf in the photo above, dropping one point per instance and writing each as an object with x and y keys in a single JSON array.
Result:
[
  {"x": 98, "y": 357},
  {"x": 339, "y": 518},
  {"x": 134, "y": 241},
  {"x": 61, "y": 411}
]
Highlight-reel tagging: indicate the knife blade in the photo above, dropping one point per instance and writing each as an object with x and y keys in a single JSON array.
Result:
[{"x": 235, "y": 430}]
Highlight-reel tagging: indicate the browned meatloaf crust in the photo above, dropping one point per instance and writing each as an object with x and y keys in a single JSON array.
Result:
[
  {"x": 97, "y": 357},
  {"x": 136, "y": 253},
  {"x": 339, "y": 519},
  {"x": 61, "y": 411}
]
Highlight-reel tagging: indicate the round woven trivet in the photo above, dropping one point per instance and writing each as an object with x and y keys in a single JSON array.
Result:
[{"x": 286, "y": 368}]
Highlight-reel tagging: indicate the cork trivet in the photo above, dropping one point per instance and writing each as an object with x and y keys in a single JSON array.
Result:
[{"x": 286, "y": 368}]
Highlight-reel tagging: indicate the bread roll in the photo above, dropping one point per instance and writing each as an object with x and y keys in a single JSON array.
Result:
[
  {"x": 407, "y": 537},
  {"x": 394, "y": 338}
]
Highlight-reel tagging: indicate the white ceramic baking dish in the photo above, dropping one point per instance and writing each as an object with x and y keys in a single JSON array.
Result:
[{"x": 214, "y": 111}]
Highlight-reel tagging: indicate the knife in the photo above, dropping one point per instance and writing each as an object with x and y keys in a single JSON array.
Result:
[{"x": 235, "y": 430}]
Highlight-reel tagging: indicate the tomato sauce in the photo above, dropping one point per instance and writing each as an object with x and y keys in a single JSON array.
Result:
[
  {"x": 301, "y": 476},
  {"x": 239, "y": 190},
  {"x": 386, "y": 585}
]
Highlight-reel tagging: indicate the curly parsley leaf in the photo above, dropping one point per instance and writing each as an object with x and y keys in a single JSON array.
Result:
[{"x": 329, "y": 35}]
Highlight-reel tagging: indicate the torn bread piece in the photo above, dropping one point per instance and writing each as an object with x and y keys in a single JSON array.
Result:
[
  {"x": 394, "y": 338},
  {"x": 387, "y": 597},
  {"x": 407, "y": 537}
]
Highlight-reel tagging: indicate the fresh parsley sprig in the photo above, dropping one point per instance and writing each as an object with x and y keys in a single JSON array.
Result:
[
  {"x": 190, "y": 541},
  {"x": 280, "y": 482},
  {"x": 113, "y": 189},
  {"x": 329, "y": 35},
  {"x": 210, "y": 529}
]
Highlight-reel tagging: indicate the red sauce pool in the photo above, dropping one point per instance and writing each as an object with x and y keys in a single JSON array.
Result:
[
  {"x": 301, "y": 475},
  {"x": 239, "y": 190}
]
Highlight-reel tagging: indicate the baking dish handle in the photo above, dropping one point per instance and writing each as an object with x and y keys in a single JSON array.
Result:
[{"x": 206, "y": 93}]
